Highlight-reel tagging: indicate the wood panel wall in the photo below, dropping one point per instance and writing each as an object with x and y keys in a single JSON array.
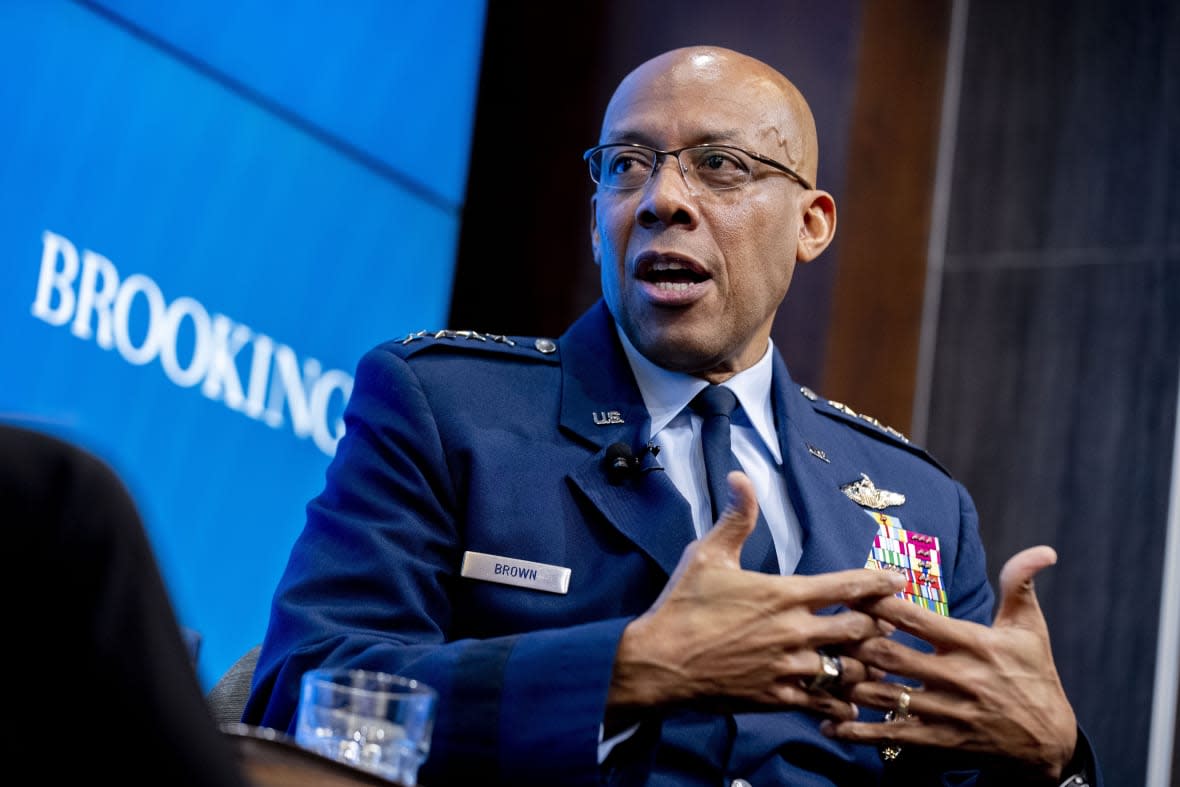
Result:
[{"x": 884, "y": 219}]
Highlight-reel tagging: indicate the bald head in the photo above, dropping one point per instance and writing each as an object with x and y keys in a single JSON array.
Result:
[{"x": 699, "y": 78}]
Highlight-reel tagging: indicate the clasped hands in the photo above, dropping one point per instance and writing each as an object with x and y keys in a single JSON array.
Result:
[{"x": 723, "y": 639}]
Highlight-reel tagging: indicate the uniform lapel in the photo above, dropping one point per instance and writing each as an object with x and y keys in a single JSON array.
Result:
[
  {"x": 601, "y": 405},
  {"x": 836, "y": 533}
]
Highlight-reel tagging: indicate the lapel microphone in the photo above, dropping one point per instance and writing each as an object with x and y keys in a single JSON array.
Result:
[{"x": 621, "y": 463}]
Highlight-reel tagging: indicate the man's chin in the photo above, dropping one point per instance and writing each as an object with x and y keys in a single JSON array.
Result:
[{"x": 681, "y": 352}]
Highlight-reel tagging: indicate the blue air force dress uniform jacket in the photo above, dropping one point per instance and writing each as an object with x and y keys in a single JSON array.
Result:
[{"x": 461, "y": 443}]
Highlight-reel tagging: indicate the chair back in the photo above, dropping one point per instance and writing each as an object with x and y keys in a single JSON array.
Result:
[{"x": 227, "y": 698}]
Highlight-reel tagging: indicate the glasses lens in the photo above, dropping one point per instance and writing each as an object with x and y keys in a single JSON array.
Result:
[
  {"x": 621, "y": 166},
  {"x": 713, "y": 167},
  {"x": 717, "y": 168}
]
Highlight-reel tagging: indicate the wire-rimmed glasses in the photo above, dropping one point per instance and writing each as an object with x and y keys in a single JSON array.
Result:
[{"x": 625, "y": 166}]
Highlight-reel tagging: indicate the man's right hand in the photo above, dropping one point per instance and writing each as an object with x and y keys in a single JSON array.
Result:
[{"x": 723, "y": 639}]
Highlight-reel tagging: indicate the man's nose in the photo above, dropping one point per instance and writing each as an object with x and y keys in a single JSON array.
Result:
[
  {"x": 670, "y": 163},
  {"x": 668, "y": 197}
]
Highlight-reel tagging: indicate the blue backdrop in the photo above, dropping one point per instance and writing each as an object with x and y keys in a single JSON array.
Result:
[{"x": 207, "y": 214}]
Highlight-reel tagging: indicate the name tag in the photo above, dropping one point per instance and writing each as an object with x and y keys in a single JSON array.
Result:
[{"x": 510, "y": 571}]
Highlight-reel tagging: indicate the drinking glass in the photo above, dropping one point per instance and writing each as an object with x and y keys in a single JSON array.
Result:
[{"x": 371, "y": 720}]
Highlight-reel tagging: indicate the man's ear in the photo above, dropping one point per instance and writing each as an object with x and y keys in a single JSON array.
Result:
[
  {"x": 818, "y": 225},
  {"x": 595, "y": 239}
]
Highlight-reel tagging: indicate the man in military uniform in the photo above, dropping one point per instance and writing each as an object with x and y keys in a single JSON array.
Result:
[{"x": 549, "y": 535}]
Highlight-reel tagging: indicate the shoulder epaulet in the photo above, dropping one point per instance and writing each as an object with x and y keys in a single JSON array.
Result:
[
  {"x": 832, "y": 407},
  {"x": 475, "y": 341},
  {"x": 867, "y": 424}
]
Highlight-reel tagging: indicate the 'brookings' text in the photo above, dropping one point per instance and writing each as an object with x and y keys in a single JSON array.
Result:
[{"x": 101, "y": 306}]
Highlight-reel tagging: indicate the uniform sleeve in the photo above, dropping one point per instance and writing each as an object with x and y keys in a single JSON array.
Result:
[
  {"x": 971, "y": 597},
  {"x": 368, "y": 584}
]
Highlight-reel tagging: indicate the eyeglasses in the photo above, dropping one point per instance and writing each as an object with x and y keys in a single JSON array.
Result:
[{"x": 627, "y": 166}]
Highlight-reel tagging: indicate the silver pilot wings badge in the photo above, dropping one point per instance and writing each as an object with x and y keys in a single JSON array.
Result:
[{"x": 865, "y": 493}]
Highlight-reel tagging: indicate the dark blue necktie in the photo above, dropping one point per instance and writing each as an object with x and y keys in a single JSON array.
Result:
[{"x": 715, "y": 404}]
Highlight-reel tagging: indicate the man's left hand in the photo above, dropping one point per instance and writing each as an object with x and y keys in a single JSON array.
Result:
[{"x": 988, "y": 690}]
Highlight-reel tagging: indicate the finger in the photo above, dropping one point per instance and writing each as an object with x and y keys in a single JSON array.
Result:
[
  {"x": 829, "y": 705},
  {"x": 1018, "y": 598},
  {"x": 852, "y": 671},
  {"x": 940, "y": 631},
  {"x": 890, "y": 657},
  {"x": 852, "y": 587},
  {"x": 833, "y": 707},
  {"x": 831, "y": 632},
  {"x": 908, "y": 731},
  {"x": 736, "y": 522},
  {"x": 887, "y": 695},
  {"x": 908, "y": 706}
]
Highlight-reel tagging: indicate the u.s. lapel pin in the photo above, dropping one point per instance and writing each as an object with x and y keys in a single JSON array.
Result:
[
  {"x": 607, "y": 417},
  {"x": 865, "y": 493},
  {"x": 818, "y": 453}
]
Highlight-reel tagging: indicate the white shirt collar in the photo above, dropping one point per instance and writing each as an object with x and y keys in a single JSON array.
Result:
[{"x": 666, "y": 393}]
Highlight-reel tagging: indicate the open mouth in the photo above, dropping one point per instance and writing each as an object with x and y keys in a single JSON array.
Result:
[{"x": 670, "y": 273}]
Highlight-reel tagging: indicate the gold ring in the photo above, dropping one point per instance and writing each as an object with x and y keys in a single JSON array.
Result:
[
  {"x": 891, "y": 751},
  {"x": 829, "y": 674},
  {"x": 903, "y": 704}
]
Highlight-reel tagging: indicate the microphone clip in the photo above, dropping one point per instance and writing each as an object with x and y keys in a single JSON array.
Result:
[{"x": 622, "y": 464}]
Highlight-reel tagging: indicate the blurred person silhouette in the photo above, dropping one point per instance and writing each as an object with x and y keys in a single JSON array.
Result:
[
  {"x": 101, "y": 685},
  {"x": 641, "y": 554}
]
